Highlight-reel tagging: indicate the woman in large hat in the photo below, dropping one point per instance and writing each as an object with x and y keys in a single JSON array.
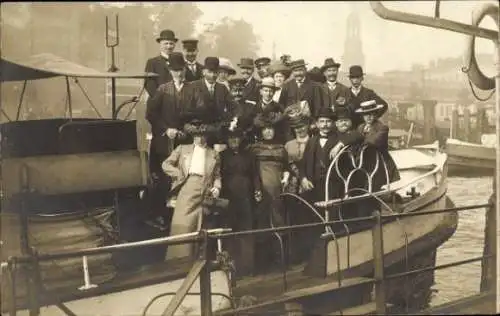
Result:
[
  {"x": 299, "y": 120},
  {"x": 274, "y": 172},
  {"x": 226, "y": 70},
  {"x": 241, "y": 185},
  {"x": 195, "y": 170},
  {"x": 280, "y": 74},
  {"x": 376, "y": 135}
]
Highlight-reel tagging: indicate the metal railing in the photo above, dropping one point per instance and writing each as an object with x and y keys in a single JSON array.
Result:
[{"x": 202, "y": 266}]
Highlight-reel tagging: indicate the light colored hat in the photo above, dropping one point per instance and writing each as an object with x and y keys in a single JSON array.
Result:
[
  {"x": 225, "y": 63},
  {"x": 369, "y": 106},
  {"x": 267, "y": 82}
]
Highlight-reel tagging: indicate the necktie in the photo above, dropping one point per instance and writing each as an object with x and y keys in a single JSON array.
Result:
[{"x": 211, "y": 90}]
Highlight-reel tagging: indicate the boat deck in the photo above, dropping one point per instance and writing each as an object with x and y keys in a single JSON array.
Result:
[{"x": 480, "y": 304}]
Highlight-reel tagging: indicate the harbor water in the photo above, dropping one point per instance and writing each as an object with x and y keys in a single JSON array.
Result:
[{"x": 467, "y": 242}]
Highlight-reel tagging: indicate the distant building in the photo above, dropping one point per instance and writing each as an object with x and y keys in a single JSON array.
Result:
[{"x": 353, "y": 48}]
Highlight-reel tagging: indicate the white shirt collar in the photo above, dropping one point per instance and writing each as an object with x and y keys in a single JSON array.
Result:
[
  {"x": 356, "y": 91},
  {"x": 332, "y": 84},
  {"x": 164, "y": 55},
  {"x": 303, "y": 140},
  {"x": 209, "y": 85}
]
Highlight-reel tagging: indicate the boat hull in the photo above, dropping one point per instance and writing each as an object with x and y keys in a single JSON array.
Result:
[{"x": 469, "y": 159}]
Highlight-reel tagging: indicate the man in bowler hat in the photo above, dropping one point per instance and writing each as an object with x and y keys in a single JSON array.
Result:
[
  {"x": 210, "y": 94},
  {"x": 262, "y": 64},
  {"x": 251, "y": 89},
  {"x": 164, "y": 112},
  {"x": 359, "y": 93},
  {"x": 194, "y": 70},
  {"x": 159, "y": 64}
]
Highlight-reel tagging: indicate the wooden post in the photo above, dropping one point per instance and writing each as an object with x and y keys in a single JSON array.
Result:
[
  {"x": 454, "y": 122},
  {"x": 488, "y": 273},
  {"x": 467, "y": 124},
  {"x": 205, "y": 285},
  {"x": 429, "y": 108}
]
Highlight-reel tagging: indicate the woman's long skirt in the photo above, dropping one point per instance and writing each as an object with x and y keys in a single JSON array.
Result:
[{"x": 187, "y": 216}]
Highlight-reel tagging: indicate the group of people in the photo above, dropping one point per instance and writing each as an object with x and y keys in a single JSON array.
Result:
[{"x": 222, "y": 133}]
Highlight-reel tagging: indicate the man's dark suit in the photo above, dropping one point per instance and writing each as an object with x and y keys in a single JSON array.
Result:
[
  {"x": 251, "y": 90},
  {"x": 157, "y": 65},
  {"x": 330, "y": 97},
  {"x": 190, "y": 76},
  {"x": 309, "y": 91}
]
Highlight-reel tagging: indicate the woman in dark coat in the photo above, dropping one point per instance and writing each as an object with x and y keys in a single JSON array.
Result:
[{"x": 272, "y": 160}]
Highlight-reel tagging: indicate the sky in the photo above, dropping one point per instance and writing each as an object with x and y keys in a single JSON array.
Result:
[{"x": 315, "y": 30}]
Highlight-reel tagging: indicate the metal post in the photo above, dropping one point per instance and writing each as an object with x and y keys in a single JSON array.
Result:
[
  {"x": 112, "y": 44},
  {"x": 497, "y": 169},
  {"x": 378, "y": 261},
  {"x": 205, "y": 286}
]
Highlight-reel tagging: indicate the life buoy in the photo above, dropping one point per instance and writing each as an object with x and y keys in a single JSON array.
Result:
[{"x": 476, "y": 76}]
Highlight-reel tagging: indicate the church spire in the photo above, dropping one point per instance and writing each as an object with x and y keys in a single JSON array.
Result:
[{"x": 353, "y": 48}]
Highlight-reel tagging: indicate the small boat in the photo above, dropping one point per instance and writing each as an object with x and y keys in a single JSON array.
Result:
[
  {"x": 471, "y": 159},
  {"x": 72, "y": 182}
]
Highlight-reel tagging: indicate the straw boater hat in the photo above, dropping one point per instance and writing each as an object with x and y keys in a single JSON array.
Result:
[
  {"x": 329, "y": 63},
  {"x": 225, "y": 64},
  {"x": 176, "y": 61},
  {"x": 167, "y": 35},
  {"x": 370, "y": 106},
  {"x": 268, "y": 82}
]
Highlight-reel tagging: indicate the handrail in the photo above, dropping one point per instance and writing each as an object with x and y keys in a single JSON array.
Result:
[
  {"x": 398, "y": 185},
  {"x": 170, "y": 240},
  {"x": 438, "y": 23}
]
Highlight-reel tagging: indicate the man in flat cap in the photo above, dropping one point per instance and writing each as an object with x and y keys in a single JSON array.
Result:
[
  {"x": 159, "y": 64},
  {"x": 194, "y": 70},
  {"x": 359, "y": 93},
  {"x": 262, "y": 64},
  {"x": 251, "y": 90}
]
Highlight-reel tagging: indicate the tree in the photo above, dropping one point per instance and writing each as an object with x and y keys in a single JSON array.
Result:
[{"x": 229, "y": 38}]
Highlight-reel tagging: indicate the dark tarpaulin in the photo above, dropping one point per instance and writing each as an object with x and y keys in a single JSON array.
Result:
[{"x": 47, "y": 65}]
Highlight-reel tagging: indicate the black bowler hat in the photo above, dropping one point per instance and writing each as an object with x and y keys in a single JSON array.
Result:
[
  {"x": 326, "y": 112},
  {"x": 343, "y": 112},
  {"x": 246, "y": 63},
  {"x": 190, "y": 44},
  {"x": 355, "y": 71},
  {"x": 262, "y": 61},
  {"x": 211, "y": 63},
  {"x": 167, "y": 35},
  {"x": 176, "y": 61}
]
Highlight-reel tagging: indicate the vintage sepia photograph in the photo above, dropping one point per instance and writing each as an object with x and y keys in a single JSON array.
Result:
[{"x": 249, "y": 158}]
